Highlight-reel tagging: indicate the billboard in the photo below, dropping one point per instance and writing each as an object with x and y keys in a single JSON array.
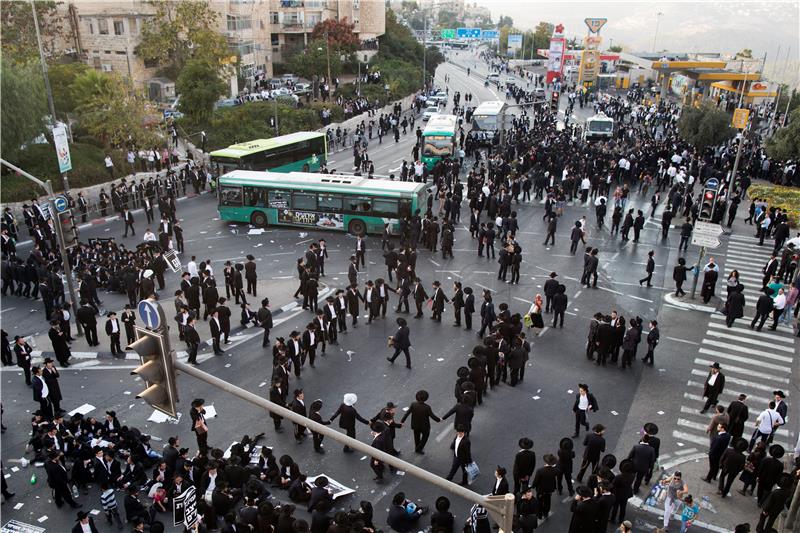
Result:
[
  {"x": 555, "y": 58},
  {"x": 514, "y": 43},
  {"x": 490, "y": 34}
]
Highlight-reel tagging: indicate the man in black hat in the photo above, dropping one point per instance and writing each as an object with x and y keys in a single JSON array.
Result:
[
  {"x": 550, "y": 289},
  {"x": 421, "y": 415},
  {"x": 714, "y": 384},
  {"x": 23, "y": 352},
  {"x": 85, "y": 524},
  {"x": 58, "y": 481},
  {"x": 250, "y": 274},
  {"x": 524, "y": 464},
  {"x": 50, "y": 375},
  {"x": 60, "y": 343},
  {"x": 763, "y": 309},
  {"x": 651, "y": 430},
  {"x": 462, "y": 454},
  {"x": 113, "y": 331}
]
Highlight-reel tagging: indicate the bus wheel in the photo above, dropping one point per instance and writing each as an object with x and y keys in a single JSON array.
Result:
[
  {"x": 306, "y": 168},
  {"x": 357, "y": 228},
  {"x": 258, "y": 219}
]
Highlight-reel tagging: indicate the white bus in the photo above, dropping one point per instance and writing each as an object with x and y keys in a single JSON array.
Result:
[
  {"x": 599, "y": 127},
  {"x": 487, "y": 120}
]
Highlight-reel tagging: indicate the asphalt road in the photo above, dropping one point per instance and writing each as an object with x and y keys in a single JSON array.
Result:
[{"x": 540, "y": 408}]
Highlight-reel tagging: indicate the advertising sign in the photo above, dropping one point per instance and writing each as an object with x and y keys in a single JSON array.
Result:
[
  {"x": 555, "y": 58},
  {"x": 309, "y": 218},
  {"x": 514, "y": 43},
  {"x": 62, "y": 149},
  {"x": 740, "y": 117},
  {"x": 595, "y": 24}
]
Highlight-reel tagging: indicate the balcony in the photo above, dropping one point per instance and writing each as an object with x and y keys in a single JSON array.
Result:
[{"x": 296, "y": 26}]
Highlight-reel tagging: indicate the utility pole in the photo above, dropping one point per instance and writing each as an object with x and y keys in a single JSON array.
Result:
[
  {"x": 735, "y": 168},
  {"x": 48, "y": 188},
  {"x": 424, "y": 49},
  {"x": 47, "y": 88},
  {"x": 655, "y": 35}
]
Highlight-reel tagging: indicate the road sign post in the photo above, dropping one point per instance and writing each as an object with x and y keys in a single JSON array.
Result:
[{"x": 706, "y": 234}]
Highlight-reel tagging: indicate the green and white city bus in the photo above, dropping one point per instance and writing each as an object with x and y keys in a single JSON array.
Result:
[
  {"x": 301, "y": 151},
  {"x": 326, "y": 201},
  {"x": 439, "y": 139}
]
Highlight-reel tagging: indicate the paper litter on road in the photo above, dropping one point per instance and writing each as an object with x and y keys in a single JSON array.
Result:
[
  {"x": 211, "y": 412},
  {"x": 570, "y": 391},
  {"x": 18, "y": 506},
  {"x": 127, "y": 392},
  {"x": 257, "y": 231},
  {"x": 614, "y": 413},
  {"x": 83, "y": 409},
  {"x": 15, "y": 469},
  {"x": 262, "y": 384},
  {"x": 158, "y": 417},
  {"x": 363, "y": 458},
  {"x": 660, "y": 412},
  {"x": 440, "y": 359},
  {"x": 679, "y": 444},
  {"x": 94, "y": 512},
  {"x": 41, "y": 519},
  {"x": 228, "y": 365},
  {"x": 535, "y": 397}
]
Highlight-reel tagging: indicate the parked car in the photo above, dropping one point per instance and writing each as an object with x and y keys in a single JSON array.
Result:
[
  {"x": 429, "y": 112},
  {"x": 301, "y": 87},
  {"x": 227, "y": 102},
  {"x": 539, "y": 92},
  {"x": 440, "y": 97},
  {"x": 289, "y": 78}
]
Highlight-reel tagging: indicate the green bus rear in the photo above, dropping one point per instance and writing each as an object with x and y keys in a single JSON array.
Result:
[
  {"x": 323, "y": 201},
  {"x": 303, "y": 151},
  {"x": 439, "y": 139}
]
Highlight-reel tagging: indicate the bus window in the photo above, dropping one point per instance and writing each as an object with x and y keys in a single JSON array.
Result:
[
  {"x": 230, "y": 195},
  {"x": 329, "y": 203},
  {"x": 385, "y": 207},
  {"x": 279, "y": 199},
  {"x": 364, "y": 204},
  {"x": 437, "y": 145},
  {"x": 255, "y": 197},
  {"x": 304, "y": 201},
  {"x": 405, "y": 208}
]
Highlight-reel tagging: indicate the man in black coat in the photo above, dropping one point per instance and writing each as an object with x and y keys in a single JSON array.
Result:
[
  {"x": 250, "y": 274},
  {"x": 58, "y": 481},
  {"x": 23, "y": 352},
  {"x": 643, "y": 457},
  {"x": 50, "y": 375},
  {"x": 421, "y": 415},
  {"x": 718, "y": 446},
  {"x": 85, "y": 521},
  {"x": 713, "y": 387},
  {"x": 763, "y": 309},
  {"x": 401, "y": 342},
  {"x": 85, "y": 316},
  {"x": 462, "y": 454},
  {"x": 550, "y": 289},
  {"x": 264, "y": 317},
  {"x": 399, "y": 518},
  {"x": 774, "y": 504},
  {"x": 299, "y": 407},
  {"x": 458, "y": 302},
  {"x": 348, "y": 416},
  {"x": 584, "y": 511},
  {"x": 463, "y": 415},
  {"x": 735, "y": 305},
  {"x": 594, "y": 445},
  {"x": 353, "y": 307},
  {"x": 560, "y": 302},
  {"x": 524, "y": 464},
  {"x": 649, "y": 269},
  {"x": 114, "y": 330},
  {"x": 469, "y": 308},
  {"x": 738, "y": 413},
  {"x": 420, "y": 296},
  {"x": 731, "y": 463},
  {"x": 439, "y": 298},
  {"x": 59, "y": 341},
  {"x": 544, "y": 481}
]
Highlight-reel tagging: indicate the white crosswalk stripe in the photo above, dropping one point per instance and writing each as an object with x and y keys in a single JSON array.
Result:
[{"x": 753, "y": 362}]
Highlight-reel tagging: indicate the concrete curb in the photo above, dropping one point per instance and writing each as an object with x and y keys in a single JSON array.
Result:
[{"x": 671, "y": 299}]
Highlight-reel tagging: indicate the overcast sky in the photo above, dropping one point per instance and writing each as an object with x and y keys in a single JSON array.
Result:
[{"x": 685, "y": 26}]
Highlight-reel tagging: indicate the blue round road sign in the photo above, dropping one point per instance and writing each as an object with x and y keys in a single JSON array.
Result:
[
  {"x": 712, "y": 183},
  {"x": 149, "y": 314},
  {"x": 61, "y": 203}
]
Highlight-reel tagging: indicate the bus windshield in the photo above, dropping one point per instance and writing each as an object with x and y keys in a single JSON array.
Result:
[
  {"x": 600, "y": 126},
  {"x": 437, "y": 145},
  {"x": 485, "y": 122}
]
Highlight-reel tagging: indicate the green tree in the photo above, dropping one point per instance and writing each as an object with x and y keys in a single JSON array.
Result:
[
  {"x": 313, "y": 61},
  {"x": 62, "y": 76},
  {"x": 448, "y": 19},
  {"x": 109, "y": 110},
  {"x": 398, "y": 42},
  {"x": 785, "y": 143},
  {"x": 19, "y": 35},
  {"x": 340, "y": 34},
  {"x": 179, "y": 31},
  {"x": 705, "y": 126},
  {"x": 505, "y": 21},
  {"x": 199, "y": 85},
  {"x": 542, "y": 34},
  {"x": 24, "y": 105},
  {"x": 746, "y": 53}
]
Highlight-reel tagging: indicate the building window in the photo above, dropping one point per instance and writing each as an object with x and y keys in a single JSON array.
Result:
[
  {"x": 245, "y": 48},
  {"x": 274, "y": 39},
  {"x": 121, "y": 52},
  {"x": 119, "y": 27},
  {"x": 91, "y": 27},
  {"x": 236, "y": 23},
  {"x": 273, "y": 17},
  {"x": 107, "y": 67},
  {"x": 102, "y": 26}
]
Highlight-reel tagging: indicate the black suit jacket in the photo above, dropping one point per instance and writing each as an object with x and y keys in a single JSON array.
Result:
[
  {"x": 524, "y": 463},
  {"x": 469, "y": 304},
  {"x": 501, "y": 488},
  {"x": 348, "y": 415},
  {"x": 78, "y": 529},
  {"x": 421, "y": 414},
  {"x": 716, "y": 389},
  {"x": 464, "y": 452},
  {"x": 544, "y": 480}
]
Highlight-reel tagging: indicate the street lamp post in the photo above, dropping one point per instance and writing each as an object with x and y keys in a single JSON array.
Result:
[
  {"x": 48, "y": 188},
  {"x": 735, "y": 168},
  {"x": 328, "y": 57},
  {"x": 424, "y": 49},
  {"x": 658, "y": 23}
]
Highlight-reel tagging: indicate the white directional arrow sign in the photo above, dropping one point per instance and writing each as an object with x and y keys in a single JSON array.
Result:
[{"x": 706, "y": 234}]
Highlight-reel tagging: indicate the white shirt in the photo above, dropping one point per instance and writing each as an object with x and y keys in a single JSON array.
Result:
[
  {"x": 586, "y": 183},
  {"x": 86, "y": 528},
  {"x": 779, "y": 302},
  {"x": 458, "y": 442},
  {"x": 149, "y": 236},
  {"x": 114, "y": 326},
  {"x": 583, "y": 402},
  {"x": 108, "y": 162},
  {"x": 45, "y": 390},
  {"x": 191, "y": 266},
  {"x": 767, "y": 418},
  {"x": 712, "y": 378}
]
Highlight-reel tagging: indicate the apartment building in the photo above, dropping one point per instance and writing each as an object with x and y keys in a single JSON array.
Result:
[
  {"x": 293, "y": 21},
  {"x": 106, "y": 33}
]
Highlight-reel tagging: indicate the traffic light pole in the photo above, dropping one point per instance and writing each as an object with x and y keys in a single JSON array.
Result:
[
  {"x": 697, "y": 270},
  {"x": 501, "y": 508},
  {"x": 46, "y": 185}
]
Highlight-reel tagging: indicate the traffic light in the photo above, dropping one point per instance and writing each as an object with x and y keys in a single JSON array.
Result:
[
  {"x": 707, "y": 204},
  {"x": 554, "y": 96},
  {"x": 157, "y": 370},
  {"x": 68, "y": 228}
]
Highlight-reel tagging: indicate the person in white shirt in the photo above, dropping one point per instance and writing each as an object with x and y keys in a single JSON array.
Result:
[
  {"x": 778, "y": 306},
  {"x": 149, "y": 236},
  {"x": 41, "y": 393},
  {"x": 191, "y": 267},
  {"x": 765, "y": 424}
]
